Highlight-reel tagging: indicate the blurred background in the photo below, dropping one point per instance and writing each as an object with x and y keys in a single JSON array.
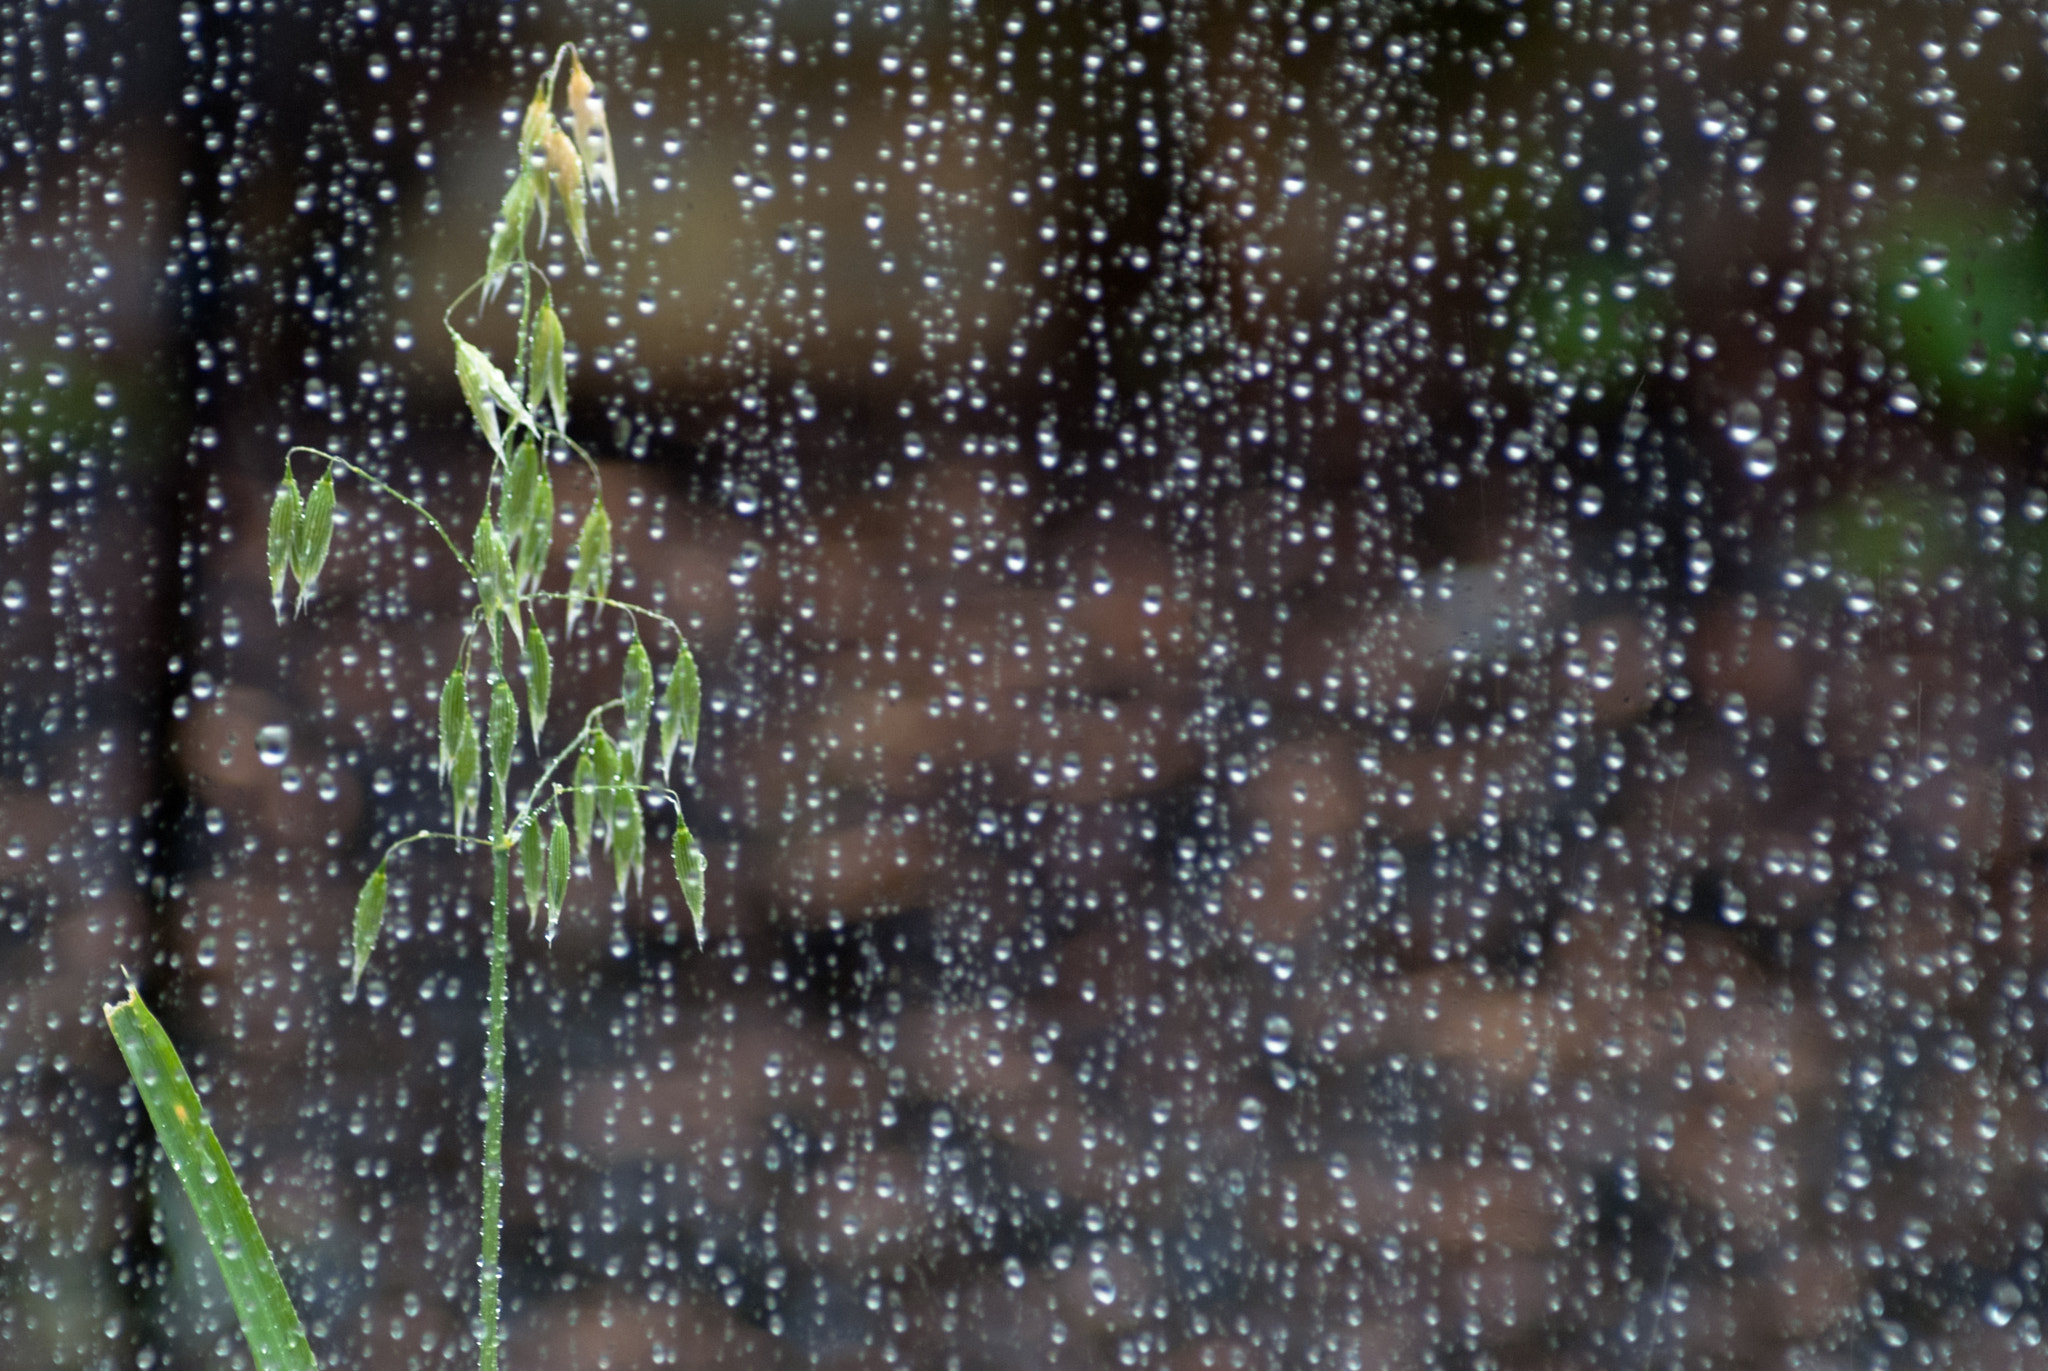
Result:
[{"x": 1371, "y": 676}]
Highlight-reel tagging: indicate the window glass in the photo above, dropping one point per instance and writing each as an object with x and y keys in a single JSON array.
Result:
[{"x": 1371, "y": 677}]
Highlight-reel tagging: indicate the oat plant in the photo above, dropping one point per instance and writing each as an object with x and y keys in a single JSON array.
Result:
[{"x": 590, "y": 790}]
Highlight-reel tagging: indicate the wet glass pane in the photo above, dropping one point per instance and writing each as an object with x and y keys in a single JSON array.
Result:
[{"x": 1370, "y": 682}]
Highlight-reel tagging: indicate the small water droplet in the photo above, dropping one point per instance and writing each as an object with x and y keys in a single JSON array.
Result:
[
  {"x": 1251, "y": 1112},
  {"x": 1102, "y": 1285}
]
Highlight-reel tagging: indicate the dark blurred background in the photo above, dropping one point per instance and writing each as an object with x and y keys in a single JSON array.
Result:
[{"x": 1371, "y": 674}]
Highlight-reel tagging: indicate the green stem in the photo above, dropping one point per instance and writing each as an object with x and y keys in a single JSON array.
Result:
[
  {"x": 468, "y": 567},
  {"x": 490, "y": 1225}
]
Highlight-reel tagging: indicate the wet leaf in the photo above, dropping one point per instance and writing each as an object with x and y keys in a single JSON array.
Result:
[
  {"x": 514, "y": 212},
  {"x": 540, "y": 674},
  {"x": 454, "y": 709},
  {"x": 565, "y": 165},
  {"x": 604, "y": 754},
  {"x": 504, "y": 728},
  {"x": 284, "y": 526},
  {"x": 583, "y": 805},
  {"x": 593, "y": 137},
  {"x": 637, "y": 695},
  {"x": 495, "y": 581},
  {"x": 558, "y": 873},
  {"x": 536, "y": 540},
  {"x": 465, "y": 772},
  {"x": 263, "y": 1306},
  {"x": 516, "y": 495},
  {"x": 679, "y": 704},
  {"x": 592, "y": 576},
  {"x": 690, "y": 867},
  {"x": 533, "y": 876},
  {"x": 533, "y": 128},
  {"x": 314, "y": 532},
  {"x": 629, "y": 840},
  {"x": 548, "y": 379},
  {"x": 369, "y": 921},
  {"x": 470, "y": 367}
]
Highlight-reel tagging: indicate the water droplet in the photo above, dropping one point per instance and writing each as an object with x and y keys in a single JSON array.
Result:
[
  {"x": 273, "y": 743},
  {"x": 14, "y": 596},
  {"x": 2005, "y": 1302},
  {"x": 1745, "y": 423},
  {"x": 1251, "y": 1112},
  {"x": 1102, "y": 1285},
  {"x": 1761, "y": 460},
  {"x": 1279, "y": 1033}
]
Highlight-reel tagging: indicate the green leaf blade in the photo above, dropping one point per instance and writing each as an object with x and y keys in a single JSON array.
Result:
[
  {"x": 495, "y": 580},
  {"x": 504, "y": 732},
  {"x": 680, "y": 701},
  {"x": 629, "y": 840},
  {"x": 454, "y": 708},
  {"x": 263, "y": 1306},
  {"x": 533, "y": 876},
  {"x": 690, "y": 872},
  {"x": 284, "y": 528},
  {"x": 537, "y": 538},
  {"x": 465, "y": 773},
  {"x": 583, "y": 809},
  {"x": 313, "y": 532},
  {"x": 514, "y": 211},
  {"x": 637, "y": 695},
  {"x": 548, "y": 381},
  {"x": 558, "y": 874},
  {"x": 471, "y": 366},
  {"x": 369, "y": 921},
  {"x": 605, "y": 760},
  {"x": 516, "y": 495},
  {"x": 540, "y": 675},
  {"x": 593, "y": 574}
]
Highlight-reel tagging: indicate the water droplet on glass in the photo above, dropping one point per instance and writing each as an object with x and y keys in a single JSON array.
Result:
[
  {"x": 1761, "y": 460},
  {"x": 1279, "y": 1033},
  {"x": 1102, "y": 1285},
  {"x": 273, "y": 743},
  {"x": 1251, "y": 1112},
  {"x": 14, "y": 596},
  {"x": 1745, "y": 423},
  {"x": 2005, "y": 1302}
]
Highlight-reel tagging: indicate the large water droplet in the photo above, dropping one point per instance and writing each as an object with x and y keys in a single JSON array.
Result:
[
  {"x": 1279, "y": 1033},
  {"x": 1745, "y": 423},
  {"x": 273, "y": 743}
]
